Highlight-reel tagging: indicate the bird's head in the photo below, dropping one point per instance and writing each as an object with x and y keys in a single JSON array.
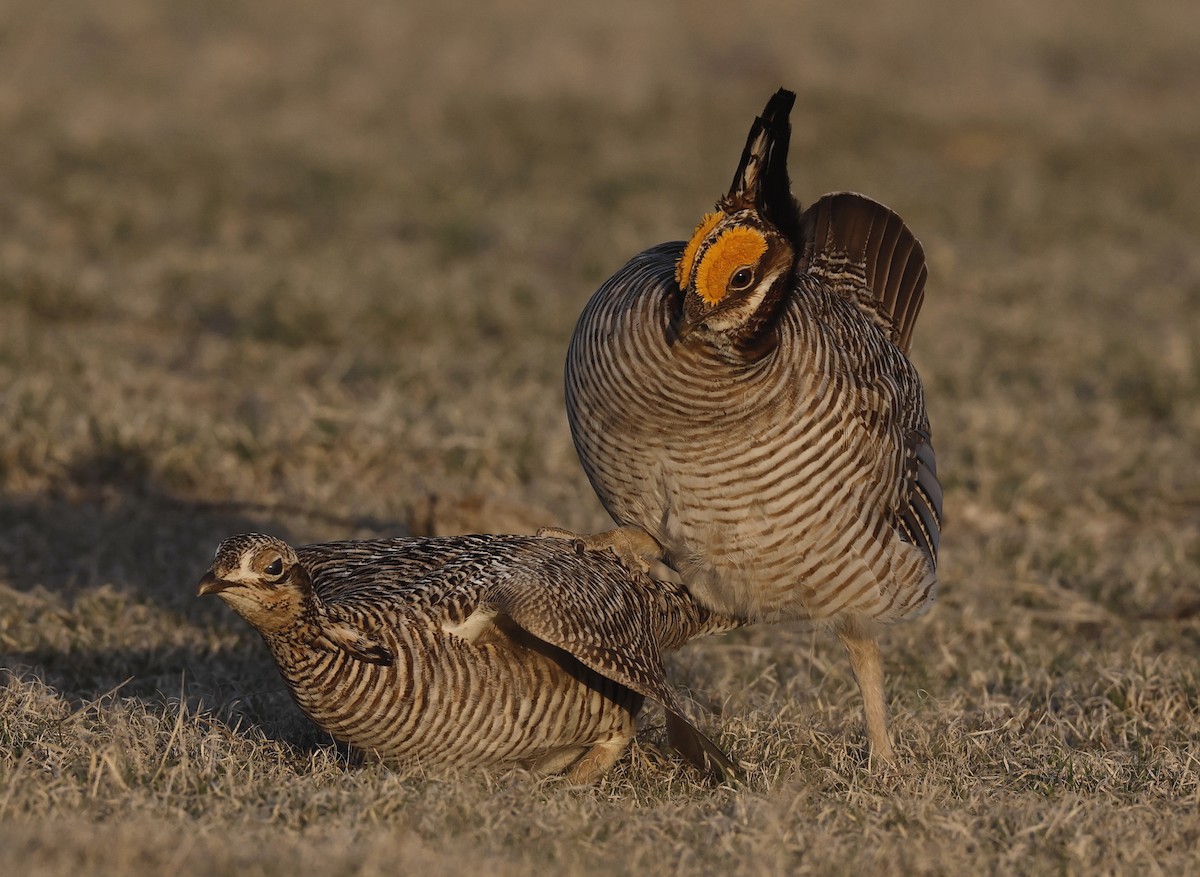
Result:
[
  {"x": 261, "y": 579},
  {"x": 741, "y": 259}
]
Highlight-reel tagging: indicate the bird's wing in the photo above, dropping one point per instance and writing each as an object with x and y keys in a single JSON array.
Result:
[
  {"x": 865, "y": 253},
  {"x": 340, "y": 630},
  {"x": 920, "y": 517},
  {"x": 595, "y": 610}
]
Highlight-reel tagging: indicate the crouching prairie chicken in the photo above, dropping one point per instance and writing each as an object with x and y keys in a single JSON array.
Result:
[
  {"x": 471, "y": 650},
  {"x": 746, "y": 399}
]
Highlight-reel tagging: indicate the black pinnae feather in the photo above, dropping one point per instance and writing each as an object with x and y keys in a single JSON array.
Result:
[{"x": 762, "y": 179}]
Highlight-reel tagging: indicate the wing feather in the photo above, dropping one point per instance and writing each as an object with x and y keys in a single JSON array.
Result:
[{"x": 607, "y": 619}]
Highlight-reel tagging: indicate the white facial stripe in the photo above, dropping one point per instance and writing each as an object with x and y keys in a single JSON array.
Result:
[
  {"x": 732, "y": 317},
  {"x": 767, "y": 282},
  {"x": 244, "y": 572}
]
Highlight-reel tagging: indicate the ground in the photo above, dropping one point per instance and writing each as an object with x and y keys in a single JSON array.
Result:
[{"x": 311, "y": 268}]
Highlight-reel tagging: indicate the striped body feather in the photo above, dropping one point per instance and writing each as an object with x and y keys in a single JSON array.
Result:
[
  {"x": 500, "y": 650},
  {"x": 780, "y": 486}
]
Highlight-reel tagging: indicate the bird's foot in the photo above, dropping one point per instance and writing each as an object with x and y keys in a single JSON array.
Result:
[
  {"x": 636, "y": 549},
  {"x": 596, "y": 762}
]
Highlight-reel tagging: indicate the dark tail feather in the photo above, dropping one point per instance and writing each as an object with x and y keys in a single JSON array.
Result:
[
  {"x": 762, "y": 175},
  {"x": 686, "y": 739},
  {"x": 859, "y": 247}
]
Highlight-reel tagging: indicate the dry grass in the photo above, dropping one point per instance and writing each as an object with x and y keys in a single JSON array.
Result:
[{"x": 300, "y": 266}]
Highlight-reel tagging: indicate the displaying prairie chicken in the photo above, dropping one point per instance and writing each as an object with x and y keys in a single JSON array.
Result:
[
  {"x": 471, "y": 650},
  {"x": 746, "y": 399}
]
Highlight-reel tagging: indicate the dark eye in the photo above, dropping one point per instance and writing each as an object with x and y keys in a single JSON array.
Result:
[
  {"x": 275, "y": 567},
  {"x": 741, "y": 278}
]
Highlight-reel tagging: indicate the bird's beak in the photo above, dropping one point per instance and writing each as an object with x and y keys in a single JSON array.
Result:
[
  {"x": 692, "y": 316},
  {"x": 210, "y": 584},
  {"x": 684, "y": 327}
]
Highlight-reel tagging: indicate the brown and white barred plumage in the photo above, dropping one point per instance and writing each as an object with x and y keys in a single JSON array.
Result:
[
  {"x": 747, "y": 400},
  {"x": 470, "y": 650}
]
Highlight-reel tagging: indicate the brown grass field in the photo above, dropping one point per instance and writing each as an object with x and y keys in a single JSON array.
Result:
[{"x": 311, "y": 268}]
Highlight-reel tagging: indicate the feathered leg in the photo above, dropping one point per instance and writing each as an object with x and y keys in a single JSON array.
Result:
[
  {"x": 867, "y": 665},
  {"x": 636, "y": 549}
]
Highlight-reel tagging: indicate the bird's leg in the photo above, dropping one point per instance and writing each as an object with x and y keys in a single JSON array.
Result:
[
  {"x": 596, "y": 762},
  {"x": 636, "y": 549},
  {"x": 867, "y": 665},
  {"x": 599, "y": 760}
]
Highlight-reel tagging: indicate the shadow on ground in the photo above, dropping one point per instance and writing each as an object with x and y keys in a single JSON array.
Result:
[
  {"x": 97, "y": 587},
  {"x": 98, "y": 576},
  {"x": 109, "y": 522}
]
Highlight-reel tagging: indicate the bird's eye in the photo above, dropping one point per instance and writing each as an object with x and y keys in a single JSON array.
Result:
[
  {"x": 741, "y": 278},
  {"x": 275, "y": 567}
]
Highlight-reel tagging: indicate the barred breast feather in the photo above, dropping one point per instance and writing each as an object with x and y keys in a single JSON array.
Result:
[{"x": 781, "y": 488}]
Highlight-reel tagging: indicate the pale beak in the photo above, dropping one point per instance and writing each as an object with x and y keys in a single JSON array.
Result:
[{"x": 210, "y": 584}]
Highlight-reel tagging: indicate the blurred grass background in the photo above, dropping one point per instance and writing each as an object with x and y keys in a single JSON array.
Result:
[{"x": 311, "y": 268}]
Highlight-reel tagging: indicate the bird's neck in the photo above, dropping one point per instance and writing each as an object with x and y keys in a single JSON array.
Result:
[
  {"x": 296, "y": 636},
  {"x": 287, "y": 615}
]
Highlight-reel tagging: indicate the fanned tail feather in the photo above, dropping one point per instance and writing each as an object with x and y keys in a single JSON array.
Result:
[{"x": 865, "y": 252}]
